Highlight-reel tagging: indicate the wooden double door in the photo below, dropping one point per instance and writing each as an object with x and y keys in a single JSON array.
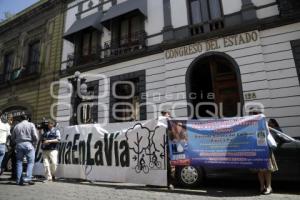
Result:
[{"x": 214, "y": 82}]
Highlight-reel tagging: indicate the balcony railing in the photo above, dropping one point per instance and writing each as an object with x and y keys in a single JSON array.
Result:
[
  {"x": 126, "y": 45},
  {"x": 73, "y": 61},
  {"x": 81, "y": 60},
  {"x": 20, "y": 73},
  {"x": 206, "y": 27},
  {"x": 77, "y": 60}
]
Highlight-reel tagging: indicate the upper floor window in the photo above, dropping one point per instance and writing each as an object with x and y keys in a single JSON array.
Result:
[
  {"x": 89, "y": 43},
  {"x": 215, "y": 10},
  {"x": 207, "y": 14},
  {"x": 125, "y": 21},
  {"x": 34, "y": 54},
  {"x": 85, "y": 34},
  {"x": 8, "y": 66},
  {"x": 289, "y": 8},
  {"x": 128, "y": 36},
  {"x": 205, "y": 10},
  {"x": 87, "y": 46},
  {"x": 195, "y": 12},
  {"x": 129, "y": 30}
]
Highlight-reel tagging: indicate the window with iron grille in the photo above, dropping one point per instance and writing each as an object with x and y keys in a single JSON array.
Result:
[
  {"x": 89, "y": 105},
  {"x": 126, "y": 102},
  {"x": 205, "y": 15},
  {"x": 8, "y": 66},
  {"x": 128, "y": 35},
  {"x": 130, "y": 27},
  {"x": 89, "y": 43},
  {"x": 87, "y": 46},
  {"x": 33, "y": 57}
]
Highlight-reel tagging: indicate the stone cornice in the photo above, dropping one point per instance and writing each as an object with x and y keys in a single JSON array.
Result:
[{"x": 29, "y": 13}]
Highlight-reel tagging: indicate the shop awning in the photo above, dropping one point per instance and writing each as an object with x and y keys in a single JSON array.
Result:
[
  {"x": 93, "y": 20},
  {"x": 124, "y": 8}
]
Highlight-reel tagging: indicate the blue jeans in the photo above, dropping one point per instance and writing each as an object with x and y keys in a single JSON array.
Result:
[
  {"x": 2, "y": 153},
  {"x": 24, "y": 149}
]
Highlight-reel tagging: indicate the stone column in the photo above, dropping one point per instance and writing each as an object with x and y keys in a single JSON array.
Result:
[
  {"x": 80, "y": 7},
  {"x": 168, "y": 31}
]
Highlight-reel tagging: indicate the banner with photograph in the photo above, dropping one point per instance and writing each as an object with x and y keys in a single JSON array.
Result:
[
  {"x": 125, "y": 152},
  {"x": 220, "y": 143}
]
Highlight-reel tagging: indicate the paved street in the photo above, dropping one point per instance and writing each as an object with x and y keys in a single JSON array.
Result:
[{"x": 71, "y": 190}]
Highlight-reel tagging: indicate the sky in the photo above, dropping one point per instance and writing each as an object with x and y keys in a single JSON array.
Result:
[{"x": 14, "y": 6}]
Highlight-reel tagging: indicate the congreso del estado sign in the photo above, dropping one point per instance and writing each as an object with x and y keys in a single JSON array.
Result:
[{"x": 212, "y": 44}]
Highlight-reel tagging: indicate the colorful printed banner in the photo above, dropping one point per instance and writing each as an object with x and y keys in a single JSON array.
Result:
[
  {"x": 220, "y": 143},
  {"x": 125, "y": 152}
]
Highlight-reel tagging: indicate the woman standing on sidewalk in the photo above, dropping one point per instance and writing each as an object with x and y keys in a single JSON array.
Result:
[{"x": 265, "y": 175}]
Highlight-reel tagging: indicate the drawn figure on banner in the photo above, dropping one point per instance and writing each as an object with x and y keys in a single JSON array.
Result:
[
  {"x": 141, "y": 137},
  {"x": 155, "y": 150},
  {"x": 163, "y": 154},
  {"x": 154, "y": 162},
  {"x": 142, "y": 166}
]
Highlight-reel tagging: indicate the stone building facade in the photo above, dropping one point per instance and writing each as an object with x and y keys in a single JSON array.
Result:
[
  {"x": 199, "y": 58},
  {"x": 30, "y": 54}
]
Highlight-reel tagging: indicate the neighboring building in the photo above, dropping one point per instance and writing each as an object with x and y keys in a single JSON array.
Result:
[
  {"x": 30, "y": 54},
  {"x": 178, "y": 53}
]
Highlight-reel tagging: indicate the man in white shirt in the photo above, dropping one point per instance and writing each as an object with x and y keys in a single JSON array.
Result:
[
  {"x": 163, "y": 119},
  {"x": 4, "y": 132}
]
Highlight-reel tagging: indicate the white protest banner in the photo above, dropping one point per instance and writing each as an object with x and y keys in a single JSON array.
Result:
[{"x": 125, "y": 152}]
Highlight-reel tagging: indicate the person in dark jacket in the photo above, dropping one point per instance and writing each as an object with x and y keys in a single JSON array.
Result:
[
  {"x": 274, "y": 124},
  {"x": 50, "y": 140}
]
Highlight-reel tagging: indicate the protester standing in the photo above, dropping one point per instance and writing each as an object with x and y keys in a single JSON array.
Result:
[
  {"x": 163, "y": 120},
  {"x": 274, "y": 124},
  {"x": 25, "y": 137},
  {"x": 12, "y": 151},
  {"x": 4, "y": 133},
  {"x": 50, "y": 140},
  {"x": 265, "y": 175}
]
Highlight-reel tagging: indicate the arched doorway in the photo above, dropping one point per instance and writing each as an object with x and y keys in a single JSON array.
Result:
[{"x": 214, "y": 87}]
